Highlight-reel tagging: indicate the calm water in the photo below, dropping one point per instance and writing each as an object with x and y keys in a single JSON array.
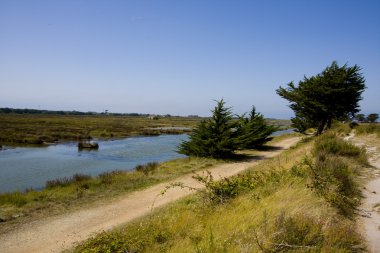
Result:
[
  {"x": 22, "y": 168},
  {"x": 286, "y": 131}
]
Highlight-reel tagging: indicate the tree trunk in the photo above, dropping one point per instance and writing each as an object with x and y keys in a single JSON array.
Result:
[
  {"x": 329, "y": 123},
  {"x": 321, "y": 126}
]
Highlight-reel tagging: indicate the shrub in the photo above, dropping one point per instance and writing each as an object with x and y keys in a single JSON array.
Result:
[
  {"x": 218, "y": 192},
  {"x": 226, "y": 188}
]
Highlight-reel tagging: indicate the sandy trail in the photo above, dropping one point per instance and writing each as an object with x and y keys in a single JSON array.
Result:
[
  {"x": 370, "y": 208},
  {"x": 55, "y": 234}
]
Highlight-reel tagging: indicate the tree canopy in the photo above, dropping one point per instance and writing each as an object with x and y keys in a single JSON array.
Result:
[
  {"x": 221, "y": 135},
  {"x": 252, "y": 131},
  {"x": 373, "y": 117},
  {"x": 333, "y": 94}
]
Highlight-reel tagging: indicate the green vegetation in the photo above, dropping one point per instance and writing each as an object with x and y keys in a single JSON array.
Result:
[
  {"x": 213, "y": 137},
  {"x": 41, "y": 128},
  {"x": 371, "y": 118},
  {"x": 368, "y": 129},
  {"x": 252, "y": 131},
  {"x": 220, "y": 136},
  {"x": 64, "y": 193},
  {"x": 333, "y": 94},
  {"x": 291, "y": 203},
  {"x": 25, "y": 129},
  {"x": 334, "y": 173}
]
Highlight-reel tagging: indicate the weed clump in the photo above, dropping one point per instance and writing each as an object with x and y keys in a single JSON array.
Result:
[
  {"x": 330, "y": 143},
  {"x": 16, "y": 198},
  {"x": 148, "y": 168},
  {"x": 61, "y": 182},
  {"x": 109, "y": 177}
]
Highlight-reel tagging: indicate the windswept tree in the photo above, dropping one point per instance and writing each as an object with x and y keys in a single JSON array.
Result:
[
  {"x": 221, "y": 135},
  {"x": 333, "y": 94}
]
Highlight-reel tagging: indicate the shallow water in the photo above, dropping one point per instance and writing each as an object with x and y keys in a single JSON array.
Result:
[
  {"x": 26, "y": 167},
  {"x": 286, "y": 131}
]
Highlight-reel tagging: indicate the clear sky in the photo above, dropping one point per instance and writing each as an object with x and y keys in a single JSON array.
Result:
[{"x": 176, "y": 57}]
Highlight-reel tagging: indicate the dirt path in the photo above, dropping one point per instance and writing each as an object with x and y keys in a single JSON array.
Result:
[
  {"x": 370, "y": 208},
  {"x": 55, "y": 234}
]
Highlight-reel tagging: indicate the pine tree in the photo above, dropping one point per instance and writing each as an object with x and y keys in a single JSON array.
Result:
[
  {"x": 221, "y": 135},
  {"x": 253, "y": 131},
  {"x": 212, "y": 137}
]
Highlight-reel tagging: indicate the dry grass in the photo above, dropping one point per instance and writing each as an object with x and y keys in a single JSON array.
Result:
[{"x": 280, "y": 215}]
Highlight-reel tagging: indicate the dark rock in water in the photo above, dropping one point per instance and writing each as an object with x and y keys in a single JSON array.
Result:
[{"x": 88, "y": 145}]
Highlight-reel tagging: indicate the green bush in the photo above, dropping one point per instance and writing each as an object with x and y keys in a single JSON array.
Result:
[
  {"x": 226, "y": 188},
  {"x": 219, "y": 192}
]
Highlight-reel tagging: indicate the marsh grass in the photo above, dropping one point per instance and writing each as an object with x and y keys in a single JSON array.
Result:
[
  {"x": 38, "y": 128},
  {"x": 26, "y": 129}
]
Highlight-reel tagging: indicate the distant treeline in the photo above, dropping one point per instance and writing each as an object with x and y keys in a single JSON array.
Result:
[{"x": 35, "y": 111}]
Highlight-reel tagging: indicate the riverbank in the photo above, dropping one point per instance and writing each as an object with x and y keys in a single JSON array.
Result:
[
  {"x": 78, "y": 189},
  {"x": 30, "y": 167},
  {"x": 64, "y": 194},
  {"x": 104, "y": 213},
  {"x": 304, "y": 200}
]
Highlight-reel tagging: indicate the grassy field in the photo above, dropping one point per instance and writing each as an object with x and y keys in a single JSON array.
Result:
[
  {"x": 19, "y": 129},
  {"x": 300, "y": 201}
]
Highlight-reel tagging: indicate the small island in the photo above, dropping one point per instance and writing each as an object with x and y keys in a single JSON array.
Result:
[{"x": 88, "y": 145}]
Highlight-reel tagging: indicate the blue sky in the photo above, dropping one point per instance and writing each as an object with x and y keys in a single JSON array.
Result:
[{"x": 176, "y": 57}]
